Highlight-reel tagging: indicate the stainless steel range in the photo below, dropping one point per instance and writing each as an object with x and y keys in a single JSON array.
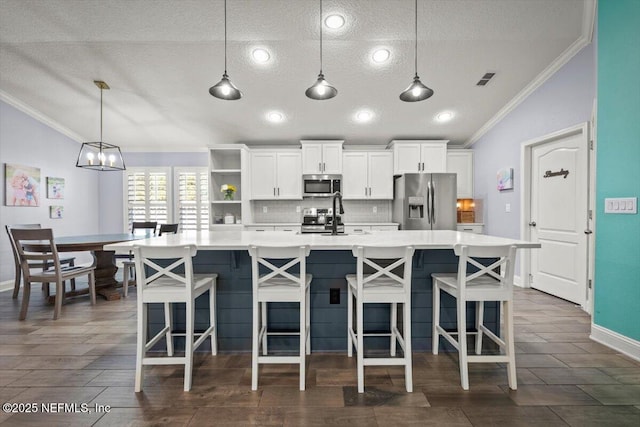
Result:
[{"x": 316, "y": 220}]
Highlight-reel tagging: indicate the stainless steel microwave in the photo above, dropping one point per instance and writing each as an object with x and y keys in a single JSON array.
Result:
[{"x": 320, "y": 185}]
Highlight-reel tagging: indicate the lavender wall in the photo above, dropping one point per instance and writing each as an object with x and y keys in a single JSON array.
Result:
[
  {"x": 25, "y": 140},
  {"x": 111, "y": 185},
  {"x": 564, "y": 100}
]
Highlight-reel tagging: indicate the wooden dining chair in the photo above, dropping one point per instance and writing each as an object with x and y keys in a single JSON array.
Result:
[
  {"x": 166, "y": 277},
  {"x": 37, "y": 247},
  {"x": 383, "y": 275},
  {"x": 128, "y": 263},
  {"x": 476, "y": 282},
  {"x": 70, "y": 261},
  {"x": 168, "y": 228}
]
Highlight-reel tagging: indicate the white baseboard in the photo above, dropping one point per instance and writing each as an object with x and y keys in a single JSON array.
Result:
[
  {"x": 518, "y": 281},
  {"x": 614, "y": 340},
  {"x": 7, "y": 285}
]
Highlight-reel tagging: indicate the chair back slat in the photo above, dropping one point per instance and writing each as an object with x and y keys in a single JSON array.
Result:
[
  {"x": 383, "y": 262},
  {"x": 12, "y": 241},
  {"x": 149, "y": 269},
  {"x": 149, "y": 226},
  {"x": 294, "y": 256},
  {"x": 168, "y": 228},
  {"x": 470, "y": 269}
]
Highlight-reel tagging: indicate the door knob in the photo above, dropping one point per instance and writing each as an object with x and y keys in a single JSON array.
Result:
[
  {"x": 532, "y": 223},
  {"x": 588, "y": 231}
]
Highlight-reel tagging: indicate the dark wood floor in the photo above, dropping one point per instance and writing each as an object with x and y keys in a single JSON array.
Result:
[{"x": 88, "y": 357}]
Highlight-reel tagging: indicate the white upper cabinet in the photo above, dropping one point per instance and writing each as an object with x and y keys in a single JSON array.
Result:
[
  {"x": 367, "y": 175},
  {"x": 322, "y": 157},
  {"x": 276, "y": 175},
  {"x": 460, "y": 162},
  {"x": 417, "y": 156}
]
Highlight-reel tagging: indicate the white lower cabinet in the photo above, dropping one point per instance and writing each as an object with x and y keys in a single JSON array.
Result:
[
  {"x": 471, "y": 228},
  {"x": 293, "y": 229},
  {"x": 258, "y": 228},
  {"x": 355, "y": 229}
]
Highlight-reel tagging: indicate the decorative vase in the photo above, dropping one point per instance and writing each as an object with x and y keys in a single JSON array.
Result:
[{"x": 228, "y": 195}]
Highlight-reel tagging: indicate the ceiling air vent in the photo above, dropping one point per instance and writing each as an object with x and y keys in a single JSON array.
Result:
[{"x": 485, "y": 79}]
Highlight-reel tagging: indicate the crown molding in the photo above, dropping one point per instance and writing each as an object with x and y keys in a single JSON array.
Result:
[
  {"x": 32, "y": 112},
  {"x": 588, "y": 18}
]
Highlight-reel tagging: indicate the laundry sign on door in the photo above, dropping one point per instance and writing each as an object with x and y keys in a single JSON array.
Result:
[{"x": 561, "y": 172}]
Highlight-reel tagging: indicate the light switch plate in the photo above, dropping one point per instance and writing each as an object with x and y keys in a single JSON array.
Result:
[
  {"x": 621, "y": 205},
  {"x": 264, "y": 209},
  {"x": 507, "y": 207},
  {"x": 297, "y": 209},
  {"x": 375, "y": 209}
]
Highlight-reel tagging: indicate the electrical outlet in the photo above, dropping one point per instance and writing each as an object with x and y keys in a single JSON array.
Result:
[
  {"x": 507, "y": 207},
  {"x": 264, "y": 209},
  {"x": 375, "y": 209},
  {"x": 297, "y": 209},
  {"x": 334, "y": 296}
]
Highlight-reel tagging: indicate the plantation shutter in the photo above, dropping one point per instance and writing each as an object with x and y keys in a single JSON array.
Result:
[
  {"x": 192, "y": 198},
  {"x": 148, "y": 195}
]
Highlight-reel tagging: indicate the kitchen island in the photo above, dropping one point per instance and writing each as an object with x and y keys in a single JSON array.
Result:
[{"x": 225, "y": 253}]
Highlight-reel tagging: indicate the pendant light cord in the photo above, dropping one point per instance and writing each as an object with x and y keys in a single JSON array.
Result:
[
  {"x": 416, "y": 45},
  {"x": 100, "y": 119},
  {"x": 225, "y": 36},
  {"x": 320, "y": 36}
]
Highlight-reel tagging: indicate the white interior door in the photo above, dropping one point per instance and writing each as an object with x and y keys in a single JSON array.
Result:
[{"x": 559, "y": 216}]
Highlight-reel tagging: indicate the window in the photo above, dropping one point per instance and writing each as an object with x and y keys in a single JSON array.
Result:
[
  {"x": 157, "y": 194},
  {"x": 148, "y": 195},
  {"x": 192, "y": 198}
]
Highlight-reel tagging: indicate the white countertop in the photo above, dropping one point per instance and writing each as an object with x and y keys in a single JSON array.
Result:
[
  {"x": 290, "y": 224},
  {"x": 241, "y": 240}
]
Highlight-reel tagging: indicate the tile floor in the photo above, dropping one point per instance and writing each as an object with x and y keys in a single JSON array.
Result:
[{"x": 88, "y": 356}]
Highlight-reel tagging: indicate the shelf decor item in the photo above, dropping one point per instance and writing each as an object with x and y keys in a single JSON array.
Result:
[{"x": 228, "y": 190}]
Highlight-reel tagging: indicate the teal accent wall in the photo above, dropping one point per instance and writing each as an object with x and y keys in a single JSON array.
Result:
[{"x": 617, "y": 266}]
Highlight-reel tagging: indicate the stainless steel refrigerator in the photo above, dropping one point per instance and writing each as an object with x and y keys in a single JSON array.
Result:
[{"x": 425, "y": 201}]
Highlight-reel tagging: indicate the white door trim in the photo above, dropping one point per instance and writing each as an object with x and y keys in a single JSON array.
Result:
[{"x": 525, "y": 198}]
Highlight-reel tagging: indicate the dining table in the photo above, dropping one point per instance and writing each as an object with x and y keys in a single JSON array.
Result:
[{"x": 103, "y": 260}]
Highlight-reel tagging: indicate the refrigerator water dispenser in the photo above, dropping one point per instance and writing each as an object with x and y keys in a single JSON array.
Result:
[{"x": 416, "y": 207}]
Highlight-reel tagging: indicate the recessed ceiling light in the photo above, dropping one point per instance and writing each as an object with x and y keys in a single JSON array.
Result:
[
  {"x": 445, "y": 116},
  {"x": 364, "y": 116},
  {"x": 334, "y": 21},
  {"x": 275, "y": 116},
  {"x": 380, "y": 55},
  {"x": 260, "y": 55}
]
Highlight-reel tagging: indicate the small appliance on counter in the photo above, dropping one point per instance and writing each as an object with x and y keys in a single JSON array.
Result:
[
  {"x": 229, "y": 218},
  {"x": 316, "y": 220},
  {"x": 425, "y": 201}
]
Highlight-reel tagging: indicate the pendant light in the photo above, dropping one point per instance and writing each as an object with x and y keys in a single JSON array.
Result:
[
  {"x": 416, "y": 90},
  {"x": 100, "y": 155},
  {"x": 321, "y": 89},
  {"x": 224, "y": 89}
]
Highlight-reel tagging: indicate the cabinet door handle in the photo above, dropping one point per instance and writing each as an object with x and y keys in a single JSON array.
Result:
[
  {"x": 365, "y": 191},
  {"x": 324, "y": 167},
  {"x": 319, "y": 166},
  {"x": 278, "y": 191},
  {"x": 422, "y": 166},
  {"x": 274, "y": 191},
  {"x": 418, "y": 166}
]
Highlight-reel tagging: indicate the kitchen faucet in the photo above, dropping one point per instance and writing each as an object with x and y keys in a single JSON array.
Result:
[{"x": 334, "y": 220}]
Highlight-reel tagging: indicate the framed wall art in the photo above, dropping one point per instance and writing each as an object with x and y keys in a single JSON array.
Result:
[
  {"x": 55, "y": 188},
  {"x": 56, "y": 212},
  {"x": 505, "y": 179},
  {"x": 22, "y": 185}
]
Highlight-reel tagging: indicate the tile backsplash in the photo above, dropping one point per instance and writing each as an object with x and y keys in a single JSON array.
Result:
[{"x": 354, "y": 210}]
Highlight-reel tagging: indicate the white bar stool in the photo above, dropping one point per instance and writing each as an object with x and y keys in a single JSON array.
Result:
[
  {"x": 168, "y": 285},
  {"x": 383, "y": 285},
  {"x": 479, "y": 283},
  {"x": 279, "y": 284}
]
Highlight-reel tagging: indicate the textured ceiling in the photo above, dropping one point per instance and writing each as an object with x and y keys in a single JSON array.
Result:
[{"x": 160, "y": 58}]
